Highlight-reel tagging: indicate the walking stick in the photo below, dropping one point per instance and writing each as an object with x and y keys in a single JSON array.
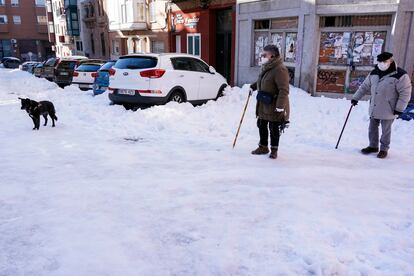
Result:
[
  {"x": 241, "y": 120},
  {"x": 343, "y": 128}
]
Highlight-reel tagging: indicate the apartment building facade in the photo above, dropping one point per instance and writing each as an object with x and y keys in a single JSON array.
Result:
[
  {"x": 329, "y": 46},
  {"x": 137, "y": 26},
  {"x": 23, "y": 29},
  {"x": 94, "y": 28},
  {"x": 66, "y": 27}
]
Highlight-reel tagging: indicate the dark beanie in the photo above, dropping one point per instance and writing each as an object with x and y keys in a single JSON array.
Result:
[
  {"x": 384, "y": 56},
  {"x": 272, "y": 49}
]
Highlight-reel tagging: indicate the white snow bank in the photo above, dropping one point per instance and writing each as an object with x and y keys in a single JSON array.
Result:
[{"x": 160, "y": 191}]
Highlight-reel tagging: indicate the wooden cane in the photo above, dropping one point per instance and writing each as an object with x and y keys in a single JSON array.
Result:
[{"x": 242, "y": 117}]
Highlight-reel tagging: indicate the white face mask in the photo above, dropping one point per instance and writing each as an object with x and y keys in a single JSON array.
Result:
[
  {"x": 383, "y": 66},
  {"x": 263, "y": 60}
]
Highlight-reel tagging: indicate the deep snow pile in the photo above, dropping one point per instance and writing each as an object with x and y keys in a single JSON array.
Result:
[{"x": 161, "y": 192}]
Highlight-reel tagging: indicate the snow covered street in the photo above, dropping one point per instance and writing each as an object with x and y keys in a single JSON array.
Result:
[{"x": 160, "y": 191}]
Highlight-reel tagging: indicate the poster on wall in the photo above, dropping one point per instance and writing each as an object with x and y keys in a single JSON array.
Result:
[
  {"x": 261, "y": 39},
  {"x": 334, "y": 47},
  {"x": 290, "y": 50},
  {"x": 277, "y": 39}
]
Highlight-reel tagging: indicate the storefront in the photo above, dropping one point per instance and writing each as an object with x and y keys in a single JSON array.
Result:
[
  {"x": 206, "y": 33},
  {"x": 328, "y": 48}
]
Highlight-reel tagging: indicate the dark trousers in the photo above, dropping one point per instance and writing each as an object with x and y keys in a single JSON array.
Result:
[{"x": 264, "y": 127}]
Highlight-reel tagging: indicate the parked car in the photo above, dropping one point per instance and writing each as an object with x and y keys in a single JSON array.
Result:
[
  {"x": 85, "y": 74},
  {"x": 101, "y": 82},
  {"x": 11, "y": 62},
  {"x": 408, "y": 113},
  {"x": 38, "y": 70},
  {"x": 61, "y": 73},
  {"x": 28, "y": 66},
  {"x": 151, "y": 79},
  {"x": 49, "y": 68},
  {"x": 66, "y": 67}
]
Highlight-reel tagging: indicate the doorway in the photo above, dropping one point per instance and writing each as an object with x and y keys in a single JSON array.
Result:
[{"x": 224, "y": 26}]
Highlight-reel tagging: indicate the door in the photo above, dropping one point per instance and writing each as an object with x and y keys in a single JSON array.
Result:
[
  {"x": 178, "y": 43},
  {"x": 223, "y": 42},
  {"x": 184, "y": 76},
  {"x": 208, "y": 88}
]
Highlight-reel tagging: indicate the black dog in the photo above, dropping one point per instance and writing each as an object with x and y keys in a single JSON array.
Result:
[{"x": 35, "y": 109}]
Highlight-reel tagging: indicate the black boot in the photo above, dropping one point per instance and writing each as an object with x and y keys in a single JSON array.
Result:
[
  {"x": 369, "y": 150},
  {"x": 261, "y": 150},
  {"x": 273, "y": 153},
  {"x": 382, "y": 154}
]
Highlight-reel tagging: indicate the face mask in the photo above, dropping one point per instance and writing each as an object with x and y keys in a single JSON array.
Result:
[
  {"x": 263, "y": 60},
  {"x": 383, "y": 66}
]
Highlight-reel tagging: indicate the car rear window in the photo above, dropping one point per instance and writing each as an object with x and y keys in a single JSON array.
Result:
[
  {"x": 136, "y": 62},
  {"x": 67, "y": 65},
  {"x": 51, "y": 62},
  {"x": 88, "y": 68},
  {"x": 107, "y": 66}
]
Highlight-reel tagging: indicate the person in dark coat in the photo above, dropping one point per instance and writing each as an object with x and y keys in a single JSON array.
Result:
[
  {"x": 272, "y": 109},
  {"x": 390, "y": 91}
]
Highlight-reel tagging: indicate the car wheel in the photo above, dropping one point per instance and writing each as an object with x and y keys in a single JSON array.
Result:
[
  {"x": 177, "y": 96},
  {"x": 221, "y": 90}
]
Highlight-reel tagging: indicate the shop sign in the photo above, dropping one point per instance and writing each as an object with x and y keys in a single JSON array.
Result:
[{"x": 189, "y": 22}]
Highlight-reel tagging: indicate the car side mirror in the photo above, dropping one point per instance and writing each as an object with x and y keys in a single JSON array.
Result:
[{"x": 212, "y": 70}]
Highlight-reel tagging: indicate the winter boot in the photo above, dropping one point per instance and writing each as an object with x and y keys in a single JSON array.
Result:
[
  {"x": 273, "y": 153},
  {"x": 382, "y": 154},
  {"x": 369, "y": 150},
  {"x": 261, "y": 150}
]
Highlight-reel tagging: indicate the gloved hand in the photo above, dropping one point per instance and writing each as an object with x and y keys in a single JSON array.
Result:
[
  {"x": 284, "y": 125},
  {"x": 398, "y": 113},
  {"x": 354, "y": 102}
]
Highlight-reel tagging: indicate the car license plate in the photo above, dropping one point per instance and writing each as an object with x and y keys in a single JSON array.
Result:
[
  {"x": 126, "y": 92},
  {"x": 64, "y": 73},
  {"x": 84, "y": 85}
]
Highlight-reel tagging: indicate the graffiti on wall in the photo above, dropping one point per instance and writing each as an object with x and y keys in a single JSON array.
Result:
[
  {"x": 356, "y": 79},
  {"x": 290, "y": 49},
  {"x": 330, "y": 81}
]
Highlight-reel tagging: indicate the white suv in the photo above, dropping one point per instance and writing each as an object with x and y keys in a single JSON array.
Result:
[{"x": 149, "y": 79}]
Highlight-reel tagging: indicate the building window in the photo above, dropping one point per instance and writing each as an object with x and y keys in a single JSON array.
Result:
[
  {"x": 92, "y": 44},
  {"x": 79, "y": 46},
  {"x": 51, "y": 27},
  {"x": 115, "y": 47},
  {"x": 193, "y": 44},
  {"x": 41, "y": 20},
  {"x": 103, "y": 44},
  {"x": 40, "y": 3},
  {"x": 3, "y": 19},
  {"x": 17, "y": 19},
  {"x": 141, "y": 12},
  {"x": 355, "y": 20},
  {"x": 157, "y": 47},
  {"x": 124, "y": 18},
  {"x": 14, "y": 3},
  {"x": 153, "y": 11},
  {"x": 2, "y": 2},
  {"x": 178, "y": 43},
  {"x": 281, "y": 32}
]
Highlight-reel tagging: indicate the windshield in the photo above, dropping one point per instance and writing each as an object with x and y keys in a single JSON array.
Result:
[
  {"x": 88, "y": 68},
  {"x": 137, "y": 62},
  {"x": 67, "y": 65},
  {"x": 107, "y": 66}
]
